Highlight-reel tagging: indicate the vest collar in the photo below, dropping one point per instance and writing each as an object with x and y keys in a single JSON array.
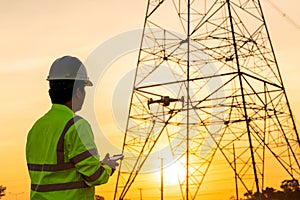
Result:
[{"x": 62, "y": 108}]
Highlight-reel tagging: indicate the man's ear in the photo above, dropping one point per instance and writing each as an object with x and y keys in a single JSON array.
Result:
[{"x": 78, "y": 93}]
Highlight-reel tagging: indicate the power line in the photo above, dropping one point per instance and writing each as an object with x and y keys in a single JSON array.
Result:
[{"x": 283, "y": 14}]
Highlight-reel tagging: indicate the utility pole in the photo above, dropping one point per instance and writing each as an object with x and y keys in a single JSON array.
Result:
[
  {"x": 141, "y": 196},
  {"x": 16, "y": 194},
  {"x": 235, "y": 174},
  {"x": 161, "y": 178}
]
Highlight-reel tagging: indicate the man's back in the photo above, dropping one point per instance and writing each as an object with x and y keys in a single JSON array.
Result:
[
  {"x": 45, "y": 133},
  {"x": 54, "y": 179}
]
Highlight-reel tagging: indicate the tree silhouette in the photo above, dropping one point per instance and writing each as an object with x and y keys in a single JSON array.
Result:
[
  {"x": 291, "y": 191},
  {"x": 2, "y": 191},
  {"x": 98, "y": 197},
  {"x": 248, "y": 195}
]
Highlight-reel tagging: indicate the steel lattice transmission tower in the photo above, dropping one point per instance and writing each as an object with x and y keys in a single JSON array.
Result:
[{"x": 207, "y": 77}]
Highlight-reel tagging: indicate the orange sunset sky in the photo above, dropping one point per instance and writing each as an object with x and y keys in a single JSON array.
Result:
[{"x": 34, "y": 33}]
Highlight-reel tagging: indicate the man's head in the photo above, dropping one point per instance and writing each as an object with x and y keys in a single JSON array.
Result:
[{"x": 67, "y": 78}]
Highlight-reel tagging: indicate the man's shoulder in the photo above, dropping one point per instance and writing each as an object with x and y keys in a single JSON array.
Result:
[
  {"x": 80, "y": 121},
  {"x": 53, "y": 118}
]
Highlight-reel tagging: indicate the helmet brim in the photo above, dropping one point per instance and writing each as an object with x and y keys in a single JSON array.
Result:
[{"x": 88, "y": 83}]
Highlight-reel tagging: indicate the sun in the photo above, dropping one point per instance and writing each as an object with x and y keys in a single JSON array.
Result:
[{"x": 173, "y": 173}]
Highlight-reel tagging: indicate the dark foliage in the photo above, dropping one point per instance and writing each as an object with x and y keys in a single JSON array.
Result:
[
  {"x": 290, "y": 191},
  {"x": 2, "y": 191}
]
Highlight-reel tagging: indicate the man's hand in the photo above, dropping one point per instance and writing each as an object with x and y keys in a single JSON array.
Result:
[{"x": 106, "y": 161}]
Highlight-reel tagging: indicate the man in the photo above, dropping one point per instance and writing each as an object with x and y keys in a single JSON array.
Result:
[{"x": 61, "y": 155}]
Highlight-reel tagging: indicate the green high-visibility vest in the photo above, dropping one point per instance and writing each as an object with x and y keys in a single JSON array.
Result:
[{"x": 62, "y": 158}]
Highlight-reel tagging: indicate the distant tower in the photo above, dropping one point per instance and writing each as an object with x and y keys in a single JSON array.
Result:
[{"x": 207, "y": 77}]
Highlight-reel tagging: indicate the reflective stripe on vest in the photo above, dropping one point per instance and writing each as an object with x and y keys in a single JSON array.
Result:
[
  {"x": 62, "y": 165},
  {"x": 60, "y": 145},
  {"x": 58, "y": 186}
]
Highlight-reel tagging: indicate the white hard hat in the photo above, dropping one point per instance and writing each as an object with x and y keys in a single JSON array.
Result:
[{"x": 68, "y": 68}]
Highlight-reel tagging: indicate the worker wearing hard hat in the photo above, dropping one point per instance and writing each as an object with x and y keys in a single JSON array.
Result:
[{"x": 62, "y": 158}]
